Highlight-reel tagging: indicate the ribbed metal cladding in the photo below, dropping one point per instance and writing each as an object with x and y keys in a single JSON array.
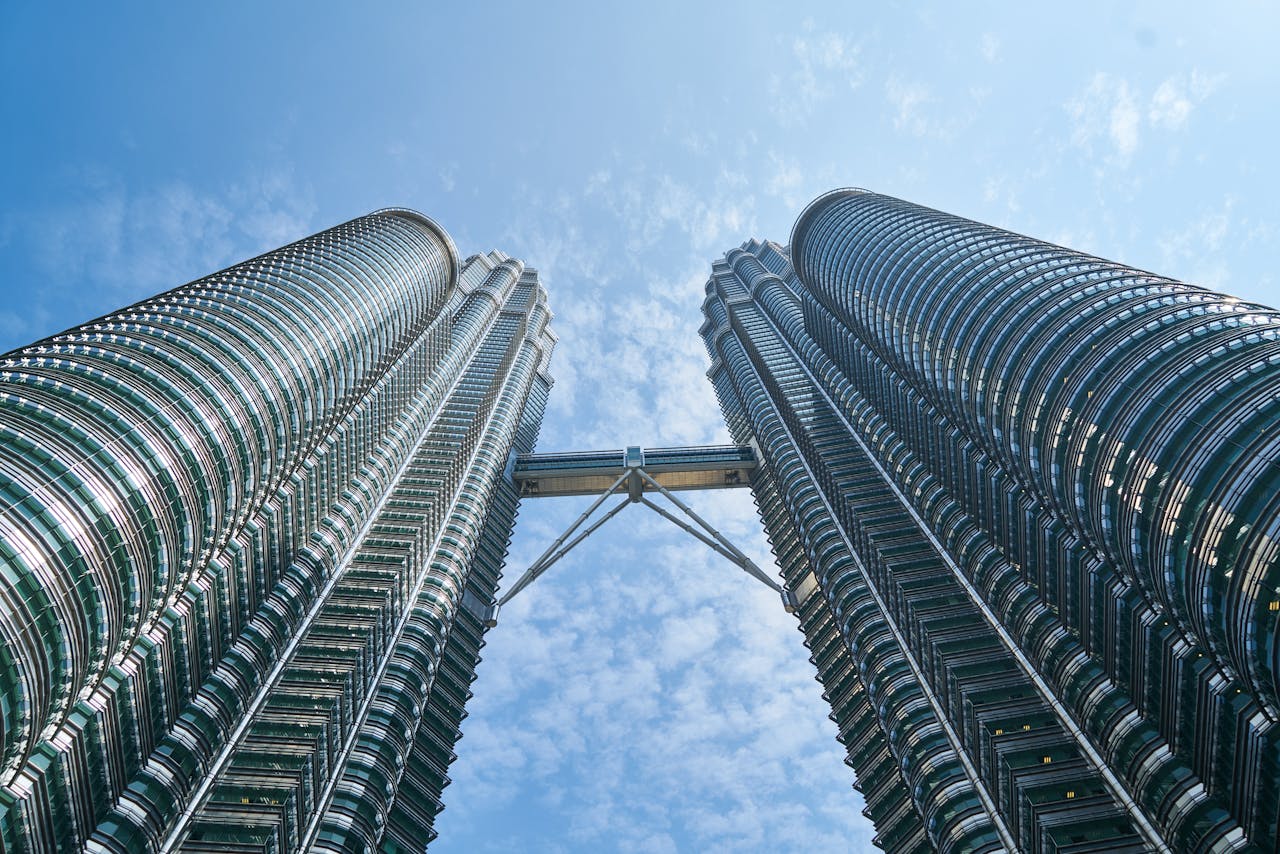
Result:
[
  {"x": 1058, "y": 462},
  {"x": 199, "y": 577}
]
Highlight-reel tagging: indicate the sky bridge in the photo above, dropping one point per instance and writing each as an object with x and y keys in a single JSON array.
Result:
[
  {"x": 593, "y": 472},
  {"x": 636, "y": 475}
]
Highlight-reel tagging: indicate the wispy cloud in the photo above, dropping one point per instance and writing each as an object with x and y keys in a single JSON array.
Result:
[
  {"x": 449, "y": 176},
  {"x": 1197, "y": 251},
  {"x": 1213, "y": 243},
  {"x": 825, "y": 63},
  {"x": 1002, "y": 190},
  {"x": 673, "y": 673},
  {"x": 787, "y": 181},
  {"x": 989, "y": 47},
  {"x": 699, "y": 142},
  {"x": 1111, "y": 113},
  {"x": 653, "y": 207},
  {"x": 686, "y": 679},
  {"x": 120, "y": 243},
  {"x": 1106, "y": 110},
  {"x": 1177, "y": 96},
  {"x": 917, "y": 111},
  {"x": 631, "y": 366},
  {"x": 907, "y": 100}
]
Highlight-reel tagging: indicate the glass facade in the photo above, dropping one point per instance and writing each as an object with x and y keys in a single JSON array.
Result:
[
  {"x": 1024, "y": 502},
  {"x": 249, "y": 531},
  {"x": 1027, "y": 500}
]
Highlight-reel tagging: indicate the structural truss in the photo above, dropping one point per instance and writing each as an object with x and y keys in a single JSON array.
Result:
[{"x": 635, "y": 474}]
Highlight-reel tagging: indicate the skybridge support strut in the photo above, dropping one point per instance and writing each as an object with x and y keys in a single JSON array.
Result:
[{"x": 632, "y": 473}]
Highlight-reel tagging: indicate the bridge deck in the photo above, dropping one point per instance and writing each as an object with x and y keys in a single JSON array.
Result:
[{"x": 593, "y": 472}]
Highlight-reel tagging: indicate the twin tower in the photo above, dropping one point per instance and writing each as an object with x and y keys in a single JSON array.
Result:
[{"x": 1025, "y": 504}]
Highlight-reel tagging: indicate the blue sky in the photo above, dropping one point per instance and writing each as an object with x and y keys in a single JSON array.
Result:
[{"x": 643, "y": 695}]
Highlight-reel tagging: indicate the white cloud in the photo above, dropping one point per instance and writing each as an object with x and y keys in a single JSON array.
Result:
[
  {"x": 989, "y": 47},
  {"x": 1002, "y": 191},
  {"x": 916, "y": 111},
  {"x": 1177, "y": 96},
  {"x": 643, "y": 656},
  {"x": 787, "y": 180},
  {"x": 1196, "y": 253},
  {"x": 650, "y": 207},
  {"x": 598, "y": 181},
  {"x": 1106, "y": 110},
  {"x": 449, "y": 177},
  {"x": 688, "y": 637},
  {"x": 269, "y": 209},
  {"x": 631, "y": 366},
  {"x": 907, "y": 99},
  {"x": 678, "y": 679},
  {"x": 826, "y": 64},
  {"x": 699, "y": 142},
  {"x": 1125, "y": 120},
  {"x": 133, "y": 242},
  {"x": 1170, "y": 106},
  {"x": 1109, "y": 111}
]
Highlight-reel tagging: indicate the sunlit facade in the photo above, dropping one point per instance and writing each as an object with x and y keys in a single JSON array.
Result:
[
  {"x": 249, "y": 531},
  {"x": 1029, "y": 504}
]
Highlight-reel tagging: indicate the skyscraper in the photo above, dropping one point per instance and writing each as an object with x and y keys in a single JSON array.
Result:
[
  {"x": 1024, "y": 502},
  {"x": 249, "y": 532},
  {"x": 1027, "y": 501}
]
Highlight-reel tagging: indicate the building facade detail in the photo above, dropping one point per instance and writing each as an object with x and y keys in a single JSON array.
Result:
[
  {"x": 1027, "y": 501},
  {"x": 249, "y": 530}
]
